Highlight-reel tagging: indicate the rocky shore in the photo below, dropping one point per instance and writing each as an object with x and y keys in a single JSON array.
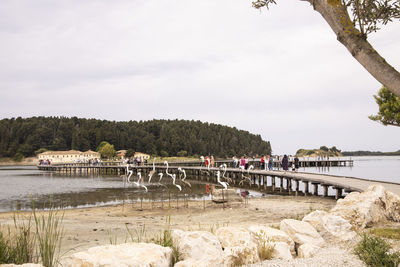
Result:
[{"x": 245, "y": 236}]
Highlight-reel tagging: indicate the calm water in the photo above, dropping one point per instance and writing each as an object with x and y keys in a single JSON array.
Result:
[
  {"x": 374, "y": 168},
  {"x": 20, "y": 185}
]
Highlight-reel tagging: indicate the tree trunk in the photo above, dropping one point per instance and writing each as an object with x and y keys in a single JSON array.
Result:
[{"x": 339, "y": 20}]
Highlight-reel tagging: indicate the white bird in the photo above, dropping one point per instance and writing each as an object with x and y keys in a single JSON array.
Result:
[
  {"x": 225, "y": 185},
  {"x": 128, "y": 172},
  {"x": 244, "y": 177},
  {"x": 173, "y": 176},
  {"x": 138, "y": 182},
  {"x": 153, "y": 171},
  {"x": 166, "y": 171},
  {"x": 182, "y": 171},
  {"x": 159, "y": 181},
  {"x": 224, "y": 167}
]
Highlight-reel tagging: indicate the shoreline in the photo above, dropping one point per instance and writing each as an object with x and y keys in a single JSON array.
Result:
[{"x": 89, "y": 227}]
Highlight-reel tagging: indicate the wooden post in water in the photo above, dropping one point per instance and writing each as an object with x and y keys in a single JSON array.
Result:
[
  {"x": 273, "y": 183},
  {"x": 315, "y": 189},
  {"x": 306, "y": 188},
  {"x": 325, "y": 190},
  {"x": 296, "y": 187},
  {"x": 338, "y": 192}
]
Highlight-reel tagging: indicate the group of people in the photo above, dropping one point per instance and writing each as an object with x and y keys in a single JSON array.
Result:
[
  {"x": 136, "y": 161},
  {"x": 207, "y": 161},
  {"x": 45, "y": 162}
]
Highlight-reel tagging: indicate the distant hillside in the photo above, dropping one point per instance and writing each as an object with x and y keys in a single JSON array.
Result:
[
  {"x": 322, "y": 151},
  {"x": 370, "y": 153},
  {"x": 22, "y": 137}
]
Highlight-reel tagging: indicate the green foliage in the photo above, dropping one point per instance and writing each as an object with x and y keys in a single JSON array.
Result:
[
  {"x": 182, "y": 153},
  {"x": 129, "y": 153},
  {"x": 107, "y": 151},
  {"x": 366, "y": 16},
  {"x": 163, "y": 153},
  {"x": 386, "y": 232},
  {"x": 40, "y": 150},
  {"x": 389, "y": 108},
  {"x": 155, "y": 137},
  {"x": 18, "y": 157},
  {"x": 101, "y": 145},
  {"x": 18, "y": 245},
  {"x": 375, "y": 251},
  {"x": 49, "y": 233},
  {"x": 324, "y": 148}
]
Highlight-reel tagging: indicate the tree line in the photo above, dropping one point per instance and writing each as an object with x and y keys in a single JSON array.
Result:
[{"x": 25, "y": 136}]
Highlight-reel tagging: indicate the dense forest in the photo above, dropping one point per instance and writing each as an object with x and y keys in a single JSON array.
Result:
[
  {"x": 370, "y": 153},
  {"x": 24, "y": 136}
]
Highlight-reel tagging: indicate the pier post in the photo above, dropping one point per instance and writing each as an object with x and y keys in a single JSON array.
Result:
[
  {"x": 280, "y": 184},
  {"x": 264, "y": 179},
  {"x": 289, "y": 185},
  {"x": 315, "y": 189},
  {"x": 273, "y": 183},
  {"x": 338, "y": 192},
  {"x": 306, "y": 188},
  {"x": 325, "y": 190},
  {"x": 296, "y": 187}
]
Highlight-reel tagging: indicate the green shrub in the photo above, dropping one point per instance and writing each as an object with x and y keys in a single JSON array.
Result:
[
  {"x": 18, "y": 157},
  {"x": 375, "y": 251},
  {"x": 386, "y": 233}
]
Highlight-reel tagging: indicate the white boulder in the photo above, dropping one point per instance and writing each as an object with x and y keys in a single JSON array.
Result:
[
  {"x": 301, "y": 232},
  {"x": 392, "y": 206},
  {"x": 281, "y": 251},
  {"x": 199, "y": 246},
  {"x": 363, "y": 209},
  {"x": 308, "y": 250},
  {"x": 123, "y": 255},
  {"x": 239, "y": 246},
  {"x": 22, "y": 265},
  {"x": 329, "y": 226},
  {"x": 195, "y": 263}
]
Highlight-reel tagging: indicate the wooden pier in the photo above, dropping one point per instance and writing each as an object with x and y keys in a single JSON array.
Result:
[{"x": 290, "y": 183}]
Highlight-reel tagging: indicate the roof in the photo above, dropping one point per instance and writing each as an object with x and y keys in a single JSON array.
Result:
[{"x": 69, "y": 152}]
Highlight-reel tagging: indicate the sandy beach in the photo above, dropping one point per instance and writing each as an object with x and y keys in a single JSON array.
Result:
[{"x": 90, "y": 227}]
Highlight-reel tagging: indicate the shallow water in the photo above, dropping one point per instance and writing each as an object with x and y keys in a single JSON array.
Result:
[{"x": 19, "y": 186}]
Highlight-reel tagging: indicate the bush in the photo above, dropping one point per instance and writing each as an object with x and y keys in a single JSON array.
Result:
[
  {"x": 182, "y": 153},
  {"x": 18, "y": 157},
  {"x": 163, "y": 153},
  {"x": 375, "y": 251}
]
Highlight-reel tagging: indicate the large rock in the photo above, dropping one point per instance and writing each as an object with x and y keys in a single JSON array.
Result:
[
  {"x": 329, "y": 226},
  {"x": 308, "y": 250},
  {"x": 194, "y": 263},
  {"x": 225, "y": 195},
  {"x": 198, "y": 246},
  {"x": 363, "y": 209},
  {"x": 301, "y": 232},
  {"x": 22, "y": 265},
  {"x": 392, "y": 206},
  {"x": 123, "y": 255},
  {"x": 239, "y": 246},
  {"x": 283, "y": 244}
]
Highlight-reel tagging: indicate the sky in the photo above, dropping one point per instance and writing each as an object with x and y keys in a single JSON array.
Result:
[{"x": 279, "y": 73}]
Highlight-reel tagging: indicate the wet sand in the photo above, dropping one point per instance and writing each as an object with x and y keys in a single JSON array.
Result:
[{"x": 90, "y": 227}]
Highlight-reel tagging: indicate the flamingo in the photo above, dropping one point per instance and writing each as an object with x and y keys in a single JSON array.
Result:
[
  {"x": 173, "y": 176},
  {"x": 138, "y": 182},
  {"x": 184, "y": 176},
  {"x": 166, "y": 171},
  {"x": 224, "y": 184},
  {"x": 224, "y": 167},
  {"x": 159, "y": 181},
  {"x": 130, "y": 172},
  {"x": 246, "y": 178},
  {"x": 153, "y": 171}
]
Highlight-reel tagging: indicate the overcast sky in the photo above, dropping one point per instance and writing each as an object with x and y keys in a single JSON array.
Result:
[{"x": 279, "y": 73}]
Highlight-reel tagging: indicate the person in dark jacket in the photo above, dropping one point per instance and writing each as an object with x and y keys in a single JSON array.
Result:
[
  {"x": 285, "y": 163},
  {"x": 296, "y": 164}
]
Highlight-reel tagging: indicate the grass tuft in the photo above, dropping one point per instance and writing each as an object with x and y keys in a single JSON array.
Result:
[
  {"x": 374, "y": 251},
  {"x": 386, "y": 233}
]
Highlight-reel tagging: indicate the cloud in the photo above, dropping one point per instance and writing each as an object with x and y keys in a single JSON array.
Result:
[{"x": 279, "y": 73}]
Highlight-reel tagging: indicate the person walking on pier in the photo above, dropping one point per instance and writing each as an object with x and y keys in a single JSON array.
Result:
[
  {"x": 296, "y": 164},
  {"x": 234, "y": 161},
  {"x": 262, "y": 162},
  {"x": 243, "y": 162},
  {"x": 285, "y": 163},
  {"x": 212, "y": 161},
  {"x": 270, "y": 162}
]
